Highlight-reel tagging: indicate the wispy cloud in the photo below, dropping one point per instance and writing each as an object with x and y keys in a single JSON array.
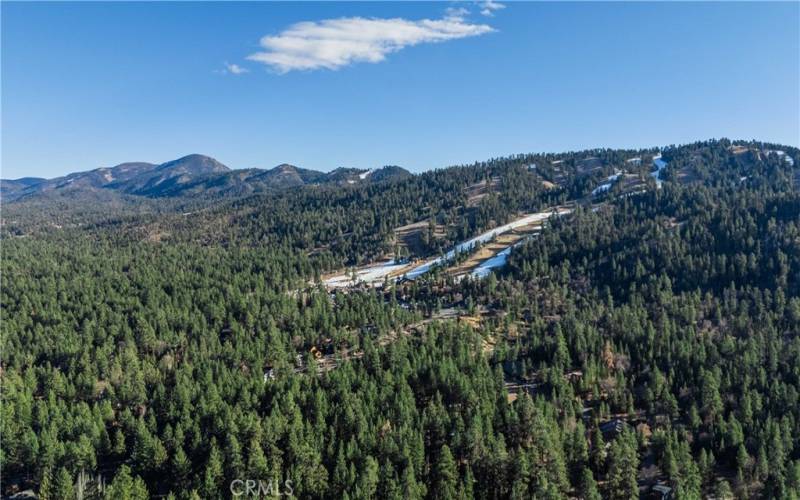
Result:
[
  {"x": 234, "y": 69},
  {"x": 456, "y": 12},
  {"x": 335, "y": 43},
  {"x": 489, "y": 6}
]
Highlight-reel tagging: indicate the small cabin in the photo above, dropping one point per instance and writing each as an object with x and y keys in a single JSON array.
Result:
[{"x": 613, "y": 428}]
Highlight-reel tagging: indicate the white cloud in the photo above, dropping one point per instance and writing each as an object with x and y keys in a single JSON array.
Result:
[
  {"x": 456, "y": 12},
  {"x": 335, "y": 43},
  {"x": 235, "y": 69},
  {"x": 489, "y": 6}
]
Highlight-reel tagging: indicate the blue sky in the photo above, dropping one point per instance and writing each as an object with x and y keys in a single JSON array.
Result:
[{"x": 93, "y": 84}]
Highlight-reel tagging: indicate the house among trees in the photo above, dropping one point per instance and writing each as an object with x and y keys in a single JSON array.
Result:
[{"x": 613, "y": 428}]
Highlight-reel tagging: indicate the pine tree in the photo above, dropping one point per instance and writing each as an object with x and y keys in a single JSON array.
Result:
[
  {"x": 589, "y": 486},
  {"x": 64, "y": 485},
  {"x": 579, "y": 450},
  {"x": 623, "y": 467},
  {"x": 118, "y": 446},
  {"x": 445, "y": 479},
  {"x": 213, "y": 475},
  {"x": 368, "y": 479},
  {"x": 257, "y": 465},
  {"x": 126, "y": 487},
  {"x": 742, "y": 460},
  {"x": 722, "y": 491},
  {"x": 46, "y": 487},
  {"x": 181, "y": 466},
  {"x": 233, "y": 458},
  {"x": 411, "y": 488},
  {"x": 341, "y": 479},
  {"x": 520, "y": 475},
  {"x": 467, "y": 485},
  {"x": 598, "y": 454}
]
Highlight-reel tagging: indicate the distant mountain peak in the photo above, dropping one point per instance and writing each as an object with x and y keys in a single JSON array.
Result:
[
  {"x": 285, "y": 167},
  {"x": 190, "y": 175},
  {"x": 195, "y": 163}
]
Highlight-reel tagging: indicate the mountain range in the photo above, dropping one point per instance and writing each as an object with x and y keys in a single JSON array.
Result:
[{"x": 190, "y": 175}]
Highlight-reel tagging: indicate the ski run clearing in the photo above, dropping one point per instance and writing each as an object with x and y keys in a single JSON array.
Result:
[
  {"x": 495, "y": 246},
  {"x": 659, "y": 164},
  {"x": 489, "y": 250},
  {"x": 602, "y": 188},
  {"x": 486, "y": 252}
]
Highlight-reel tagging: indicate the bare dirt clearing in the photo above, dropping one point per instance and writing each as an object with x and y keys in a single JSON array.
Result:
[{"x": 476, "y": 192}]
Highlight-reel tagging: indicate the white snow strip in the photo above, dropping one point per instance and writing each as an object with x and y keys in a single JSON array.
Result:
[
  {"x": 659, "y": 164},
  {"x": 378, "y": 272},
  {"x": 424, "y": 268},
  {"x": 486, "y": 266},
  {"x": 375, "y": 275},
  {"x": 498, "y": 260},
  {"x": 602, "y": 188},
  {"x": 483, "y": 238},
  {"x": 610, "y": 180},
  {"x": 364, "y": 175},
  {"x": 368, "y": 275}
]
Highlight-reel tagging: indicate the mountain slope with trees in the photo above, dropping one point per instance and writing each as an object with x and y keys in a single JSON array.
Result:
[
  {"x": 190, "y": 176},
  {"x": 649, "y": 341}
]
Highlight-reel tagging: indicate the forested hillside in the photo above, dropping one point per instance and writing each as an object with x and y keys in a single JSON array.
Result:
[{"x": 645, "y": 343}]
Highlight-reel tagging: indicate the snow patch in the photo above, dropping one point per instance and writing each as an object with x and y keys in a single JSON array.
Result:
[
  {"x": 488, "y": 265},
  {"x": 659, "y": 164},
  {"x": 483, "y": 238},
  {"x": 610, "y": 180},
  {"x": 375, "y": 275},
  {"x": 368, "y": 275},
  {"x": 602, "y": 188},
  {"x": 788, "y": 159}
]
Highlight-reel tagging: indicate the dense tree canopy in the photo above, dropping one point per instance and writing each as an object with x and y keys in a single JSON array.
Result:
[{"x": 648, "y": 338}]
